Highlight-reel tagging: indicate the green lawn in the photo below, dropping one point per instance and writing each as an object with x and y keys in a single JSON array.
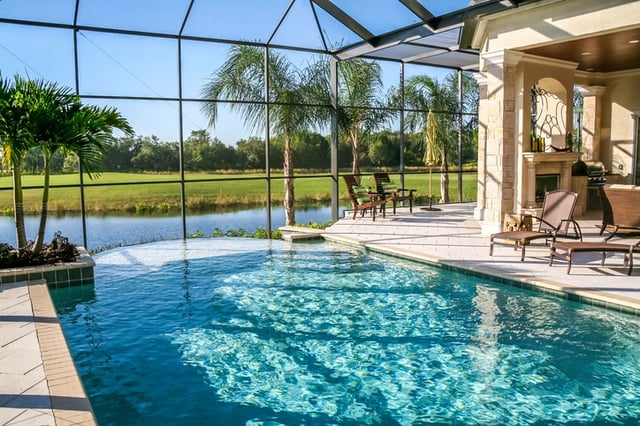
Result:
[{"x": 136, "y": 192}]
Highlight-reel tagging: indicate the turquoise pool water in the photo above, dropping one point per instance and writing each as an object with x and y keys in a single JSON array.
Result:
[{"x": 241, "y": 331}]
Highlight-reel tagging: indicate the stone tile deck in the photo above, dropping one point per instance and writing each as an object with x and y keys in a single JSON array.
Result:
[{"x": 39, "y": 384}]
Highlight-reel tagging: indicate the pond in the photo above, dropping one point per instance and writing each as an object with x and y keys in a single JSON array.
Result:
[{"x": 113, "y": 231}]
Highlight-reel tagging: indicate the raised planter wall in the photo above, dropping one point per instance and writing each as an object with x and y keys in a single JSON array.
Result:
[{"x": 58, "y": 275}]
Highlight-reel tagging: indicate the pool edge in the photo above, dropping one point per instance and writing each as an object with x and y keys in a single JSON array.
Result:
[{"x": 69, "y": 400}]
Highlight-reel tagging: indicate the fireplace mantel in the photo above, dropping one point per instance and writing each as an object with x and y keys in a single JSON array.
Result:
[
  {"x": 551, "y": 157},
  {"x": 539, "y": 163}
]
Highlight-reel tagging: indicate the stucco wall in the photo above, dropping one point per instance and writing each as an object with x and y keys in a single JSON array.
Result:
[
  {"x": 620, "y": 111},
  {"x": 622, "y": 101}
]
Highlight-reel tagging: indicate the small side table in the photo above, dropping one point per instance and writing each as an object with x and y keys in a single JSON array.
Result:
[{"x": 517, "y": 222}]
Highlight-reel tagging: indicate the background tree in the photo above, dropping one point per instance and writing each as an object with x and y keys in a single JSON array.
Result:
[
  {"x": 121, "y": 151},
  {"x": 242, "y": 77},
  {"x": 156, "y": 156},
  {"x": 311, "y": 150},
  {"x": 251, "y": 154},
  {"x": 383, "y": 149}
]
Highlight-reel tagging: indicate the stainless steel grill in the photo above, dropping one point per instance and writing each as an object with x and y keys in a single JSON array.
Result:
[
  {"x": 596, "y": 179},
  {"x": 596, "y": 174}
]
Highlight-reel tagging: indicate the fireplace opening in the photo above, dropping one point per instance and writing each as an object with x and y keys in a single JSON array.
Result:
[{"x": 544, "y": 184}]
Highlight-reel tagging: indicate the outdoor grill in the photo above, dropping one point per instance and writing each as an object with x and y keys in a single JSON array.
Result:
[
  {"x": 596, "y": 174},
  {"x": 596, "y": 179}
]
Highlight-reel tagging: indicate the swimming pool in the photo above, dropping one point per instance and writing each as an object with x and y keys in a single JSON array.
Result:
[{"x": 242, "y": 331}]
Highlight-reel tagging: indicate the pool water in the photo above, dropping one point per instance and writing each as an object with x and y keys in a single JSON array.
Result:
[{"x": 242, "y": 331}]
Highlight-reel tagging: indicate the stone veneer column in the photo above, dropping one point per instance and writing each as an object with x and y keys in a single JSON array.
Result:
[
  {"x": 499, "y": 113},
  {"x": 482, "y": 148},
  {"x": 591, "y": 117}
]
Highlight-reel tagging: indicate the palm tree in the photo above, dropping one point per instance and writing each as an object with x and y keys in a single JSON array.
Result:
[
  {"x": 36, "y": 113},
  {"x": 64, "y": 124},
  {"x": 242, "y": 78},
  {"x": 16, "y": 138},
  {"x": 422, "y": 94},
  {"x": 361, "y": 108}
]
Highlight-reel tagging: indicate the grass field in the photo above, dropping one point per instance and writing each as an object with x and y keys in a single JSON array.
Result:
[{"x": 148, "y": 193}]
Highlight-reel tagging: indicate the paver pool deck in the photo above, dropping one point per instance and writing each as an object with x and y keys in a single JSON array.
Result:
[{"x": 39, "y": 384}]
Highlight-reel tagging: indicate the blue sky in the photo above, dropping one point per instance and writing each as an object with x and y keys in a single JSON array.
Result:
[{"x": 124, "y": 65}]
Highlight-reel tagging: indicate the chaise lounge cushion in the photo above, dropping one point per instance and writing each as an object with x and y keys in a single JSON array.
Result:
[
  {"x": 362, "y": 193},
  {"x": 389, "y": 186}
]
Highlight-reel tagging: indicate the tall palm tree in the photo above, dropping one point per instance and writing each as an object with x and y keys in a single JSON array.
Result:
[
  {"x": 361, "y": 104},
  {"x": 64, "y": 124},
  {"x": 36, "y": 113},
  {"x": 16, "y": 138},
  {"x": 241, "y": 78},
  {"x": 422, "y": 94}
]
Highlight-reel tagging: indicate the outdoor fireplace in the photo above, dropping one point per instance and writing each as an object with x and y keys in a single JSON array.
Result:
[
  {"x": 544, "y": 184},
  {"x": 554, "y": 171}
]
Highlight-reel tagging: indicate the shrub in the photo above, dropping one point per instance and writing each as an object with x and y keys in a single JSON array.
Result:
[{"x": 59, "y": 251}]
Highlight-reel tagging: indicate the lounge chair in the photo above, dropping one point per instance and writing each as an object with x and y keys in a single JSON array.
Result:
[
  {"x": 362, "y": 199},
  {"x": 392, "y": 193},
  {"x": 555, "y": 221},
  {"x": 620, "y": 214}
]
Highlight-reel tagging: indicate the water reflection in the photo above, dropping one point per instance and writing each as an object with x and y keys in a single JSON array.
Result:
[{"x": 112, "y": 231}]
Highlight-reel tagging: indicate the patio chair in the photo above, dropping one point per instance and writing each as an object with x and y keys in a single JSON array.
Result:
[
  {"x": 620, "y": 215},
  {"x": 555, "y": 221},
  {"x": 362, "y": 199},
  {"x": 384, "y": 185}
]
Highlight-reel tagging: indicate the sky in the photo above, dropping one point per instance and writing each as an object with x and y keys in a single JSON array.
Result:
[{"x": 148, "y": 67}]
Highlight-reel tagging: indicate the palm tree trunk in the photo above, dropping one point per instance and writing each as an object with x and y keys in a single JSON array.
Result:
[
  {"x": 45, "y": 202},
  {"x": 355, "y": 155},
  {"x": 289, "y": 195},
  {"x": 444, "y": 177},
  {"x": 18, "y": 209}
]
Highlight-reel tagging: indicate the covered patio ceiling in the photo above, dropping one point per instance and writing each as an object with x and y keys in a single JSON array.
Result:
[
  {"x": 426, "y": 32},
  {"x": 617, "y": 51}
]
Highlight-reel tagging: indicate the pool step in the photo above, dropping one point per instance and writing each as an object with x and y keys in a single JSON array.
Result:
[{"x": 299, "y": 233}]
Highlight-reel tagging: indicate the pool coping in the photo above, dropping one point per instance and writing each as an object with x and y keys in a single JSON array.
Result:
[{"x": 69, "y": 399}]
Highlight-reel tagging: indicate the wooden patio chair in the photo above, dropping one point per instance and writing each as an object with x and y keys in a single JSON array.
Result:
[
  {"x": 362, "y": 199},
  {"x": 555, "y": 221},
  {"x": 393, "y": 194}
]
